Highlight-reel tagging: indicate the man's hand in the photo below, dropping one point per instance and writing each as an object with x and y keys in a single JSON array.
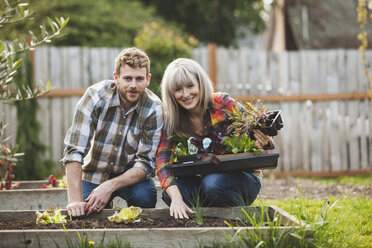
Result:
[
  {"x": 99, "y": 197},
  {"x": 76, "y": 208}
]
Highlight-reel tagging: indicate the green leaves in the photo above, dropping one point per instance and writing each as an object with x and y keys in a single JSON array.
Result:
[
  {"x": 126, "y": 215},
  {"x": 237, "y": 144},
  {"x": 162, "y": 44},
  {"x": 182, "y": 147},
  {"x": 53, "y": 216},
  {"x": 220, "y": 22}
]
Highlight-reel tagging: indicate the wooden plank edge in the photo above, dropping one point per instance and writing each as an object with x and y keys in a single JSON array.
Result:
[
  {"x": 64, "y": 93},
  {"x": 343, "y": 96},
  {"x": 265, "y": 98}
]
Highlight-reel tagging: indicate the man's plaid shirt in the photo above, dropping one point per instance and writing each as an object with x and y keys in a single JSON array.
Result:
[
  {"x": 107, "y": 140},
  {"x": 215, "y": 118}
]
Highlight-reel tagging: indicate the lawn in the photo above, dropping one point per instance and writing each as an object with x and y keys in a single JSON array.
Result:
[
  {"x": 344, "y": 222},
  {"x": 360, "y": 180}
]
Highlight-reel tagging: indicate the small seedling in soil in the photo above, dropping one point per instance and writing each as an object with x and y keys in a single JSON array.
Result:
[
  {"x": 126, "y": 215},
  {"x": 52, "y": 216}
]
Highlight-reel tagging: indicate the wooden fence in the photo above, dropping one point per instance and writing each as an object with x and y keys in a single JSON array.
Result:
[{"x": 322, "y": 94}]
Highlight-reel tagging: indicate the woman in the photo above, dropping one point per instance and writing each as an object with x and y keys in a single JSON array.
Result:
[{"x": 191, "y": 108}]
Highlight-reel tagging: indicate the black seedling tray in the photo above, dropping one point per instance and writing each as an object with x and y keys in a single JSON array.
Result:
[
  {"x": 227, "y": 163},
  {"x": 272, "y": 124}
]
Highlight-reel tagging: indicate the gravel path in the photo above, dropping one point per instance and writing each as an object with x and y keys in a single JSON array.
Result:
[{"x": 278, "y": 189}]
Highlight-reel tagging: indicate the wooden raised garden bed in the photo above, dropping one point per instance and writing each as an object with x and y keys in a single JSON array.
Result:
[
  {"x": 29, "y": 196},
  {"x": 150, "y": 236}
]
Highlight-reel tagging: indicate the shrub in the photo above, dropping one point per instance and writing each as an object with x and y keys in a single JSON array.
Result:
[{"x": 162, "y": 45}]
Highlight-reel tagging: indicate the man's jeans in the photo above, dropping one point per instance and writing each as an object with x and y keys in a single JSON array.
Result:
[
  {"x": 142, "y": 194},
  {"x": 218, "y": 190}
]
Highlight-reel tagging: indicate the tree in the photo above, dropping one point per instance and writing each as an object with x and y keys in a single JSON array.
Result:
[
  {"x": 216, "y": 21},
  {"x": 108, "y": 23},
  {"x": 163, "y": 46},
  {"x": 12, "y": 12}
]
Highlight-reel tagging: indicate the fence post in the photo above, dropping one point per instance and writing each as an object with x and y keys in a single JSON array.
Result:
[
  {"x": 32, "y": 59},
  {"x": 212, "y": 63}
]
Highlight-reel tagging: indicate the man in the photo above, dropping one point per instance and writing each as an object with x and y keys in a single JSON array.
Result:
[{"x": 111, "y": 145}]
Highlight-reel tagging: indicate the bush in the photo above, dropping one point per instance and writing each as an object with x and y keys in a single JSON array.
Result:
[{"x": 162, "y": 45}]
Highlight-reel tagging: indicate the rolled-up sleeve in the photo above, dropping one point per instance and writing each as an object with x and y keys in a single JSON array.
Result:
[
  {"x": 164, "y": 161},
  {"x": 77, "y": 140},
  {"x": 149, "y": 142}
]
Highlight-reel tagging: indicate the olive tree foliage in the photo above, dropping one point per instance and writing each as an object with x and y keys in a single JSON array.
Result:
[
  {"x": 13, "y": 12},
  {"x": 11, "y": 90}
]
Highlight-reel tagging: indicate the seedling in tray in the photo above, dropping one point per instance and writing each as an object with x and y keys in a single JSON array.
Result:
[{"x": 269, "y": 122}]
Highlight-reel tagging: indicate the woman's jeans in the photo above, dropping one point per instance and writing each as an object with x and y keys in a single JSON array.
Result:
[
  {"x": 142, "y": 194},
  {"x": 218, "y": 190}
]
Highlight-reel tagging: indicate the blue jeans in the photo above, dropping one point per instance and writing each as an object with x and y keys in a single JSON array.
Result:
[
  {"x": 142, "y": 194},
  {"x": 218, "y": 190}
]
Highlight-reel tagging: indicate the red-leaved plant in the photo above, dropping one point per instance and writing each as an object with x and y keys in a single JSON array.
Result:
[
  {"x": 245, "y": 121},
  {"x": 52, "y": 182},
  {"x": 7, "y": 162}
]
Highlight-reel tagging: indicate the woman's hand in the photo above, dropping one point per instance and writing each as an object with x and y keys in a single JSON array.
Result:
[
  {"x": 178, "y": 208},
  {"x": 262, "y": 139}
]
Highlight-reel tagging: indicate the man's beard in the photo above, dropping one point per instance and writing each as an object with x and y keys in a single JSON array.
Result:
[{"x": 132, "y": 101}]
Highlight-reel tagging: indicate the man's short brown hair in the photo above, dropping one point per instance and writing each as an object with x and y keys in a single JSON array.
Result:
[{"x": 133, "y": 57}]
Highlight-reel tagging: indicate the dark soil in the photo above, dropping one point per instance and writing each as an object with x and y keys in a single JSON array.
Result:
[{"x": 94, "y": 224}]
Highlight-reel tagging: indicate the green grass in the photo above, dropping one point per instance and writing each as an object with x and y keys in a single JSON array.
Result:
[
  {"x": 359, "y": 180},
  {"x": 336, "y": 223}
]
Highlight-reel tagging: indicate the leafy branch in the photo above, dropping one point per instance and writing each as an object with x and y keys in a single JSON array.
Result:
[{"x": 17, "y": 12}]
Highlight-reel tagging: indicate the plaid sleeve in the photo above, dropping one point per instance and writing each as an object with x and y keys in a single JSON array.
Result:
[
  {"x": 223, "y": 103},
  {"x": 77, "y": 140},
  {"x": 164, "y": 161},
  {"x": 148, "y": 144}
]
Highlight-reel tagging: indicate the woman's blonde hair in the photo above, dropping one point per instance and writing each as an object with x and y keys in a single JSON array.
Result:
[{"x": 179, "y": 73}]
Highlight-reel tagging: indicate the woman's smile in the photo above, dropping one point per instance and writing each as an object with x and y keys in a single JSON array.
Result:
[{"x": 188, "y": 96}]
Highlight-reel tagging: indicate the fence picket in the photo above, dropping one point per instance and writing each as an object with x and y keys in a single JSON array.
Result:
[
  {"x": 316, "y": 137},
  {"x": 363, "y": 134}
]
